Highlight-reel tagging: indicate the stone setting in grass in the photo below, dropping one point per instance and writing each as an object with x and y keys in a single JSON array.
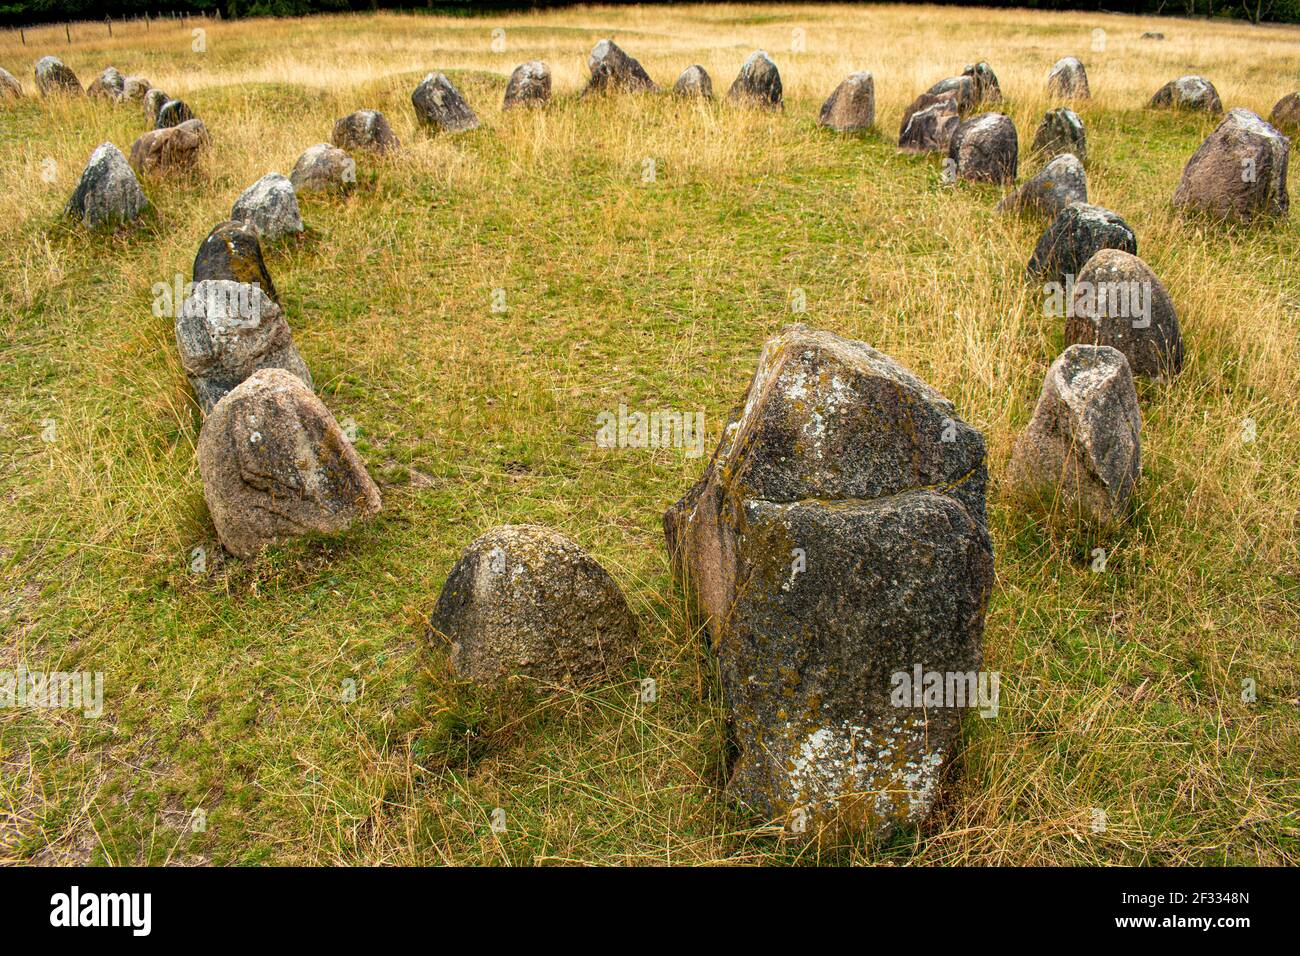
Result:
[
  {"x": 174, "y": 113},
  {"x": 613, "y": 71},
  {"x": 440, "y": 107},
  {"x": 324, "y": 168},
  {"x": 1061, "y": 131},
  {"x": 109, "y": 85},
  {"x": 1078, "y": 233},
  {"x": 232, "y": 251},
  {"x": 1188, "y": 93},
  {"x": 108, "y": 194},
  {"x": 135, "y": 88},
  {"x": 153, "y": 102},
  {"x": 365, "y": 129},
  {"x": 1059, "y": 183},
  {"x": 928, "y": 124},
  {"x": 694, "y": 81},
  {"x": 529, "y": 86},
  {"x": 10, "y": 88},
  {"x": 757, "y": 84},
  {"x": 1239, "y": 172},
  {"x": 271, "y": 205},
  {"x": 173, "y": 148},
  {"x": 985, "y": 149},
  {"x": 1286, "y": 113},
  {"x": 851, "y": 108},
  {"x": 52, "y": 76},
  {"x": 1068, "y": 79}
]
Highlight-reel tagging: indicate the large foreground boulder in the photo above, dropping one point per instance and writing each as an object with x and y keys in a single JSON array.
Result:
[
  {"x": 52, "y": 76},
  {"x": 226, "y": 331},
  {"x": 1078, "y": 233},
  {"x": 1061, "y": 131},
  {"x": 323, "y": 168},
  {"x": 836, "y": 539},
  {"x": 1286, "y": 113},
  {"x": 1068, "y": 79},
  {"x": 10, "y": 88},
  {"x": 1188, "y": 93},
  {"x": 757, "y": 84},
  {"x": 851, "y": 108},
  {"x": 109, "y": 85},
  {"x": 529, "y": 86},
  {"x": 174, "y": 148},
  {"x": 271, "y": 205},
  {"x": 440, "y": 107},
  {"x": 232, "y": 251},
  {"x": 1118, "y": 301},
  {"x": 985, "y": 149},
  {"x": 694, "y": 81},
  {"x": 1059, "y": 183},
  {"x": 108, "y": 194},
  {"x": 613, "y": 71},
  {"x": 1238, "y": 172},
  {"x": 1082, "y": 450},
  {"x": 928, "y": 124},
  {"x": 365, "y": 129},
  {"x": 525, "y": 600},
  {"x": 275, "y": 465}
]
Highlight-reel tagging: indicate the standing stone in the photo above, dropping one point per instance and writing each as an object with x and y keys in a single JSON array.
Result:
[
  {"x": 53, "y": 77},
  {"x": 275, "y": 465},
  {"x": 694, "y": 81},
  {"x": 1061, "y": 131},
  {"x": 225, "y": 332},
  {"x": 757, "y": 84},
  {"x": 365, "y": 129},
  {"x": 985, "y": 149},
  {"x": 852, "y": 107},
  {"x": 324, "y": 168},
  {"x": 153, "y": 102},
  {"x": 1059, "y": 183},
  {"x": 271, "y": 205},
  {"x": 613, "y": 71},
  {"x": 134, "y": 89},
  {"x": 232, "y": 251},
  {"x": 10, "y": 88},
  {"x": 1068, "y": 79},
  {"x": 529, "y": 86},
  {"x": 1083, "y": 447},
  {"x": 440, "y": 107},
  {"x": 173, "y": 113},
  {"x": 1238, "y": 172},
  {"x": 1188, "y": 93},
  {"x": 108, "y": 85},
  {"x": 929, "y": 123},
  {"x": 174, "y": 148},
  {"x": 526, "y": 600},
  {"x": 108, "y": 194},
  {"x": 836, "y": 539},
  {"x": 1118, "y": 301},
  {"x": 1285, "y": 115},
  {"x": 1078, "y": 233},
  {"x": 987, "y": 88},
  {"x": 1153, "y": 36}
]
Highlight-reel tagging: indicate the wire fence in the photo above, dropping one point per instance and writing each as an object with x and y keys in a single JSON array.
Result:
[{"x": 44, "y": 34}]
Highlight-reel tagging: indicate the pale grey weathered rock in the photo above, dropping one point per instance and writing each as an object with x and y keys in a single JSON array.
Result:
[
  {"x": 525, "y": 600},
  {"x": 323, "y": 168},
  {"x": 275, "y": 465},
  {"x": 529, "y": 86},
  {"x": 134, "y": 90},
  {"x": 1061, "y": 131},
  {"x": 694, "y": 81},
  {"x": 365, "y": 129},
  {"x": 108, "y": 194},
  {"x": 985, "y": 149},
  {"x": 172, "y": 148},
  {"x": 613, "y": 71},
  {"x": 153, "y": 102},
  {"x": 1068, "y": 79},
  {"x": 1078, "y": 233},
  {"x": 837, "y": 537},
  {"x": 52, "y": 76},
  {"x": 440, "y": 107},
  {"x": 271, "y": 205},
  {"x": 851, "y": 108},
  {"x": 1118, "y": 301},
  {"x": 1238, "y": 172},
  {"x": 1059, "y": 183},
  {"x": 10, "y": 88},
  {"x": 757, "y": 84},
  {"x": 928, "y": 124},
  {"x": 1188, "y": 93},
  {"x": 108, "y": 85}
]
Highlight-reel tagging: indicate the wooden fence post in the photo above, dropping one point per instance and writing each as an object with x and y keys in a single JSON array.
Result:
[
  {"x": 67, "y": 31},
  {"x": 109, "y": 21}
]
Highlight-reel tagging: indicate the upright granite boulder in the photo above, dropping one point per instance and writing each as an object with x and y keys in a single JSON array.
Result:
[
  {"x": 1239, "y": 172},
  {"x": 1068, "y": 79},
  {"x": 836, "y": 539},
  {"x": 108, "y": 194},
  {"x": 109, "y": 85},
  {"x": 440, "y": 107},
  {"x": 529, "y": 86},
  {"x": 52, "y": 76},
  {"x": 153, "y": 102},
  {"x": 1285, "y": 115},
  {"x": 613, "y": 71},
  {"x": 232, "y": 251},
  {"x": 225, "y": 332},
  {"x": 173, "y": 113},
  {"x": 275, "y": 465},
  {"x": 1061, "y": 131},
  {"x": 694, "y": 81},
  {"x": 525, "y": 600},
  {"x": 757, "y": 84},
  {"x": 324, "y": 168},
  {"x": 1059, "y": 183},
  {"x": 1078, "y": 233},
  {"x": 271, "y": 205},
  {"x": 962, "y": 88},
  {"x": 1188, "y": 93},
  {"x": 985, "y": 149},
  {"x": 928, "y": 124},
  {"x": 851, "y": 108},
  {"x": 173, "y": 148},
  {"x": 1082, "y": 450},
  {"x": 135, "y": 89},
  {"x": 10, "y": 88},
  {"x": 1118, "y": 301},
  {"x": 365, "y": 129},
  {"x": 987, "y": 88}
]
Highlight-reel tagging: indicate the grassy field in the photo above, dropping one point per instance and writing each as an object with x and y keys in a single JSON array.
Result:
[{"x": 225, "y": 692}]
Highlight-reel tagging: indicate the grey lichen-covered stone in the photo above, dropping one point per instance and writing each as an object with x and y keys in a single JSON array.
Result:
[
  {"x": 440, "y": 107},
  {"x": 232, "y": 251},
  {"x": 1188, "y": 93},
  {"x": 525, "y": 600},
  {"x": 108, "y": 194},
  {"x": 757, "y": 84},
  {"x": 10, "y": 88},
  {"x": 226, "y": 331},
  {"x": 1239, "y": 172},
  {"x": 928, "y": 124},
  {"x": 52, "y": 76},
  {"x": 271, "y": 205},
  {"x": 964, "y": 91},
  {"x": 1118, "y": 301},
  {"x": 1061, "y": 182},
  {"x": 135, "y": 89},
  {"x": 1078, "y": 233},
  {"x": 985, "y": 149},
  {"x": 851, "y": 108},
  {"x": 836, "y": 537},
  {"x": 1068, "y": 79},
  {"x": 109, "y": 85},
  {"x": 1286, "y": 113},
  {"x": 153, "y": 102},
  {"x": 987, "y": 88},
  {"x": 529, "y": 86},
  {"x": 1061, "y": 131},
  {"x": 173, "y": 148},
  {"x": 1082, "y": 449},
  {"x": 365, "y": 129},
  {"x": 613, "y": 71},
  {"x": 694, "y": 81},
  {"x": 275, "y": 465},
  {"x": 324, "y": 168},
  {"x": 173, "y": 113}
]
